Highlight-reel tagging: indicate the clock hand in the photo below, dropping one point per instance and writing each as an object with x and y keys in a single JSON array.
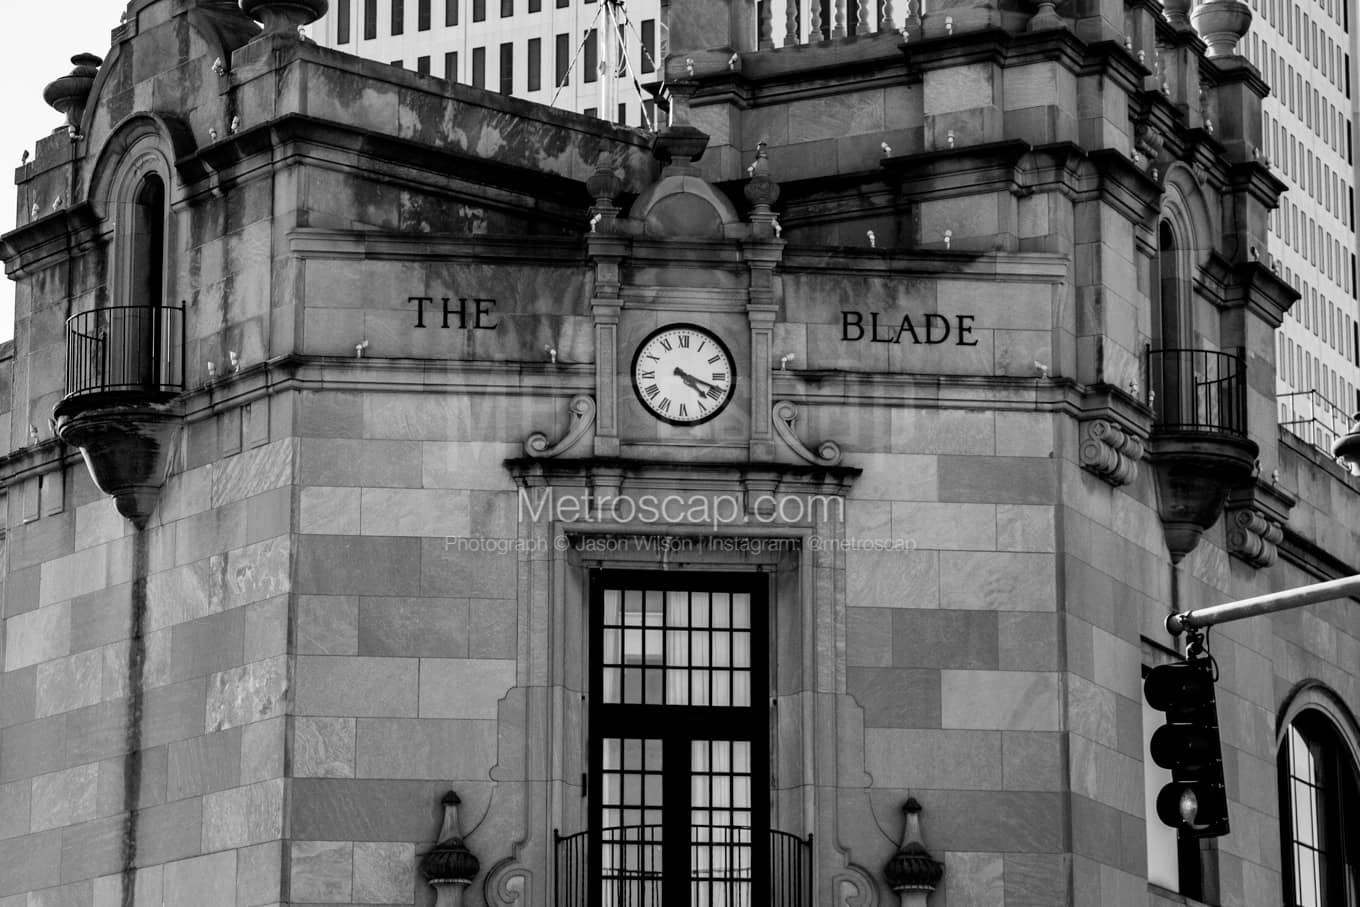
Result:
[{"x": 691, "y": 380}]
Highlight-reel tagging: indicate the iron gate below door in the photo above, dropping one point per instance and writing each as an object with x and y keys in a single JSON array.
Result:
[{"x": 720, "y": 869}]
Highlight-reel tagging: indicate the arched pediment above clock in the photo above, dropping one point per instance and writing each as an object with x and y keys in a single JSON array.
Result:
[
  {"x": 682, "y": 204},
  {"x": 684, "y": 207}
]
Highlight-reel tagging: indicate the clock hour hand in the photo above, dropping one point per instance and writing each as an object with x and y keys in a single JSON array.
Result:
[{"x": 692, "y": 381}]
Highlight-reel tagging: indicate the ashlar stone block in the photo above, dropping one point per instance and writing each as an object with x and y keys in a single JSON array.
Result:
[
  {"x": 243, "y": 815},
  {"x": 381, "y": 687},
  {"x": 206, "y": 881},
  {"x": 383, "y": 873},
  {"x": 464, "y": 687},
  {"x": 321, "y": 872},
  {"x": 323, "y": 747},
  {"x": 1000, "y": 700},
  {"x": 997, "y": 581}
]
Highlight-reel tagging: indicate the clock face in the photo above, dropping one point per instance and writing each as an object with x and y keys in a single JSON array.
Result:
[{"x": 683, "y": 374}]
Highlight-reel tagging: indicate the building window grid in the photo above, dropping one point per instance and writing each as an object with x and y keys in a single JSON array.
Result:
[
  {"x": 398, "y": 17},
  {"x": 680, "y": 671},
  {"x": 534, "y": 51},
  {"x": 342, "y": 21},
  {"x": 423, "y": 15}
]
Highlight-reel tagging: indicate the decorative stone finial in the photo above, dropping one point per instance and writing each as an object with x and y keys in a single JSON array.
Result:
[
  {"x": 604, "y": 185},
  {"x": 450, "y": 866},
  {"x": 1045, "y": 17},
  {"x": 912, "y": 872},
  {"x": 285, "y": 17},
  {"x": 1221, "y": 23},
  {"x": 761, "y": 190},
  {"x": 678, "y": 146},
  {"x": 1177, "y": 13},
  {"x": 69, "y": 94}
]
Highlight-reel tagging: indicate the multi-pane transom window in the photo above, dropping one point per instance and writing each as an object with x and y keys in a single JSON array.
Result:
[
  {"x": 676, "y": 647},
  {"x": 678, "y": 739}
]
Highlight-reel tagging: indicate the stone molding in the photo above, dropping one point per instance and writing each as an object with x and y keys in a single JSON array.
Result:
[{"x": 1108, "y": 451}]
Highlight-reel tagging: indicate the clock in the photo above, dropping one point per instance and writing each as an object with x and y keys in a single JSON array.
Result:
[{"x": 683, "y": 374}]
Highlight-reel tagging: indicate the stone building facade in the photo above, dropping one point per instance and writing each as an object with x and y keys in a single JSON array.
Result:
[{"x": 685, "y": 504}]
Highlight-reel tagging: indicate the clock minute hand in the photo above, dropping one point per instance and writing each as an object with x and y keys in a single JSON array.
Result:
[{"x": 691, "y": 380}]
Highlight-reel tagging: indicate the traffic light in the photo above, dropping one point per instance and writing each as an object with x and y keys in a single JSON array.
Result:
[{"x": 1194, "y": 803}]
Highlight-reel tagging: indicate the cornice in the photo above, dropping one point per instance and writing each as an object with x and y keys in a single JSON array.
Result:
[{"x": 49, "y": 240}]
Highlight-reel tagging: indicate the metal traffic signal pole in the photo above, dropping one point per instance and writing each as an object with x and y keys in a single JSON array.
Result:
[{"x": 1194, "y": 619}]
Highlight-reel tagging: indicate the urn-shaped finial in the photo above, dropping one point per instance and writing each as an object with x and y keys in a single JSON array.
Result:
[
  {"x": 604, "y": 184},
  {"x": 761, "y": 190},
  {"x": 284, "y": 17},
  {"x": 912, "y": 869},
  {"x": 678, "y": 146},
  {"x": 450, "y": 866},
  {"x": 1177, "y": 13},
  {"x": 1221, "y": 23},
  {"x": 69, "y": 94}
]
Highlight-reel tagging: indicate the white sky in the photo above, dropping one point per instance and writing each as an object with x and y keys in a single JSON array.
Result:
[{"x": 36, "y": 46}]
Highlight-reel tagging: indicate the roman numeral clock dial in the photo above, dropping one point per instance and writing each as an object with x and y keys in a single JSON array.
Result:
[{"x": 683, "y": 374}]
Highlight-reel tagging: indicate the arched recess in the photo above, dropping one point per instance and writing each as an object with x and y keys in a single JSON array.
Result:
[
  {"x": 1317, "y": 696},
  {"x": 1185, "y": 231},
  {"x": 1318, "y": 751},
  {"x": 132, "y": 177}
]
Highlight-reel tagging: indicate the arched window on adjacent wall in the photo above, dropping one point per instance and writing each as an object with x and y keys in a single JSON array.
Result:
[{"x": 1320, "y": 814}]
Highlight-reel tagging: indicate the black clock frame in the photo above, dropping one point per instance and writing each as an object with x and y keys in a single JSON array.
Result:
[{"x": 711, "y": 335}]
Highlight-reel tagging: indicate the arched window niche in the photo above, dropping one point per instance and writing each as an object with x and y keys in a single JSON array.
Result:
[
  {"x": 132, "y": 341},
  {"x": 125, "y": 341},
  {"x": 1318, "y": 749}
]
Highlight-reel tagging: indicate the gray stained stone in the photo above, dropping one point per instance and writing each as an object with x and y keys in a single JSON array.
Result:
[
  {"x": 896, "y": 697},
  {"x": 945, "y": 639},
  {"x": 358, "y": 565}
]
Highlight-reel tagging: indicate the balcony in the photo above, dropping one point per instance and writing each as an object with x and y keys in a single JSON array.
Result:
[
  {"x": 720, "y": 869},
  {"x": 124, "y": 370},
  {"x": 123, "y": 353},
  {"x": 1202, "y": 392},
  {"x": 1199, "y": 446}
]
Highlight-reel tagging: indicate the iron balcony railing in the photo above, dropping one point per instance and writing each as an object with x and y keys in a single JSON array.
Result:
[
  {"x": 721, "y": 870},
  {"x": 125, "y": 350},
  {"x": 1314, "y": 418},
  {"x": 1198, "y": 391}
]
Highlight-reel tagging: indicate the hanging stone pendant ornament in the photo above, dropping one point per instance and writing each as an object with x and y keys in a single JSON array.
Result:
[
  {"x": 284, "y": 17},
  {"x": 450, "y": 866},
  {"x": 912, "y": 872}
]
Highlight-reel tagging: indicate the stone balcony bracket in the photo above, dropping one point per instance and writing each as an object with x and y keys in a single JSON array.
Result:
[{"x": 1256, "y": 517}]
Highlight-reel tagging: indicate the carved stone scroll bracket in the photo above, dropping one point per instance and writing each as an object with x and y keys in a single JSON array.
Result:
[
  {"x": 828, "y": 453},
  {"x": 582, "y": 409},
  {"x": 1256, "y": 517},
  {"x": 508, "y": 883},
  {"x": 1109, "y": 451}
]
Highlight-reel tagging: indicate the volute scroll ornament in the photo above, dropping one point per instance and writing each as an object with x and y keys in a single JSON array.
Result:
[
  {"x": 1109, "y": 451},
  {"x": 582, "y": 408},
  {"x": 828, "y": 453}
]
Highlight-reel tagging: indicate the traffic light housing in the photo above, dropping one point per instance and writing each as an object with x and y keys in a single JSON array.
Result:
[{"x": 1195, "y": 802}]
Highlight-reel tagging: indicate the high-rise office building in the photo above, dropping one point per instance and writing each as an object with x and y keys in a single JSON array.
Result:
[
  {"x": 1305, "y": 50},
  {"x": 543, "y": 50}
]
